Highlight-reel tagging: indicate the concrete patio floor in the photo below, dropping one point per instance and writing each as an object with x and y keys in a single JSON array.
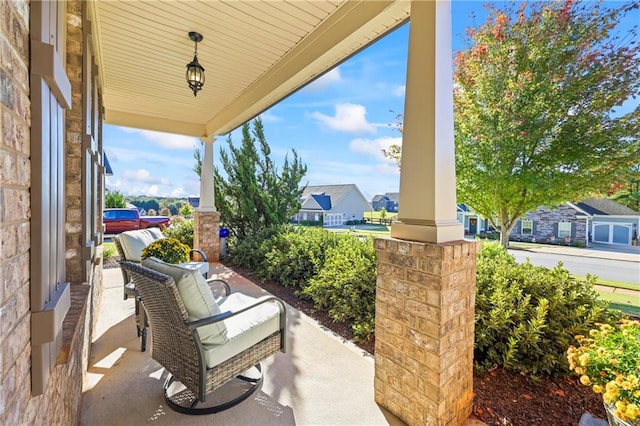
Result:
[{"x": 321, "y": 380}]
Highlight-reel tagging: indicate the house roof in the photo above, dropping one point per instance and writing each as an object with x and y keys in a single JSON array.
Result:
[
  {"x": 316, "y": 202},
  {"x": 254, "y": 54},
  {"x": 604, "y": 206},
  {"x": 391, "y": 196},
  {"x": 107, "y": 167},
  {"x": 336, "y": 192}
]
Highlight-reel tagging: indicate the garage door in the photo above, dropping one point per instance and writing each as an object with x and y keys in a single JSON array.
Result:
[{"x": 610, "y": 233}]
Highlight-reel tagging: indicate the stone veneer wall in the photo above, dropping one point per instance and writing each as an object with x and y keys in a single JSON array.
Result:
[
  {"x": 545, "y": 223},
  {"x": 61, "y": 401},
  {"x": 425, "y": 300},
  {"x": 206, "y": 237},
  {"x": 73, "y": 147},
  {"x": 15, "y": 181}
]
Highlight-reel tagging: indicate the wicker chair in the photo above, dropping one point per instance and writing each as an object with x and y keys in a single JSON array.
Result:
[
  {"x": 177, "y": 346},
  {"x": 129, "y": 289}
]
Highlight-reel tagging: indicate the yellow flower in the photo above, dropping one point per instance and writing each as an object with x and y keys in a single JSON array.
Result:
[
  {"x": 621, "y": 406},
  {"x": 608, "y": 397},
  {"x": 585, "y": 380},
  {"x": 612, "y": 387},
  {"x": 598, "y": 388},
  {"x": 614, "y": 362},
  {"x": 632, "y": 411}
]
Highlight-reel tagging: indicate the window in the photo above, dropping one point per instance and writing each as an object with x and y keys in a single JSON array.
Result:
[
  {"x": 564, "y": 229},
  {"x": 527, "y": 227}
]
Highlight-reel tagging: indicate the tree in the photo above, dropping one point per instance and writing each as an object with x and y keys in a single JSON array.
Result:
[
  {"x": 627, "y": 191},
  {"x": 255, "y": 195},
  {"x": 114, "y": 200},
  {"x": 534, "y": 106},
  {"x": 186, "y": 210}
]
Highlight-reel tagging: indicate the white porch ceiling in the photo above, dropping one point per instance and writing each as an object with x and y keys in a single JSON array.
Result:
[{"x": 255, "y": 53}]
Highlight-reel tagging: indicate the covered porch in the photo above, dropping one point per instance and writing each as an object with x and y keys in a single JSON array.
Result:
[{"x": 72, "y": 66}]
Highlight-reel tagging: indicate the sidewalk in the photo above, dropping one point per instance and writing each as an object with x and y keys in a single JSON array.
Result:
[{"x": 600, "y": 251}]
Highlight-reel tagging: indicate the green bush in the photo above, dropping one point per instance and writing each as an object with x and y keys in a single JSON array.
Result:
[
  {"x": 250, "y": 252},
  {"x": 181, "y": 230},
  {"x": 109, "y": 252},
  {"x": 346, "y": 285},
  {"x": 526, "y": 315},
  {"x": 293, "y": 257}
]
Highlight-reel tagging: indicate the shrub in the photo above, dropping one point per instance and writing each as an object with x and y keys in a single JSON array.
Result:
[
  {"x": 250, "y": 252},
  {"x": 169, "y": 250},
  {"x": 108, "y": 252},
  {"x": 346, "y": 285},
  {"x": 293, "y": 257},
  {"x": 526, "y": 315},
  {"x": 181, "y": 230}
]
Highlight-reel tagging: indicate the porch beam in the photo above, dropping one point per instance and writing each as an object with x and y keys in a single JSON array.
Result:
[{"x": 427, "y": 200}]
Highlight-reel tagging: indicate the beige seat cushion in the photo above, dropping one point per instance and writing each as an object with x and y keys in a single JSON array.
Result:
[
  {"x": 133, "y": 242},
  {"x": 196, "y": 296},
  {"x": 243, "y": 330}
]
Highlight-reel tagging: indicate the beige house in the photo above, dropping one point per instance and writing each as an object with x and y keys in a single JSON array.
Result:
[
  {"x": 332, "y": 205},
  {"x": 68, "y": 67}
]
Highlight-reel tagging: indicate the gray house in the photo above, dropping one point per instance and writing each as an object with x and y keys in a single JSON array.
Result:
[
  {"x": 332, "y": 205},
  {"x": 595, "y": 219},
  {"x": 387, "y": 201}
]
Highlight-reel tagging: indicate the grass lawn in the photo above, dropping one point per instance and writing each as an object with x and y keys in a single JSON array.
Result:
[{"x": 376, "y": 215}]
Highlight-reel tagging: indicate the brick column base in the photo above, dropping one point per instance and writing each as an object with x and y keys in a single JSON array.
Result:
[
  {"x": 205, "y": 234},
  {"x": 425, "y": 298}
]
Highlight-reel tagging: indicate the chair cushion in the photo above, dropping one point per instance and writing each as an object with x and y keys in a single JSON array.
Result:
[
  {"x": 133, "y": 242},
  {"x": 196, "y": 296},
  {"x": 202, "y": 267},
  {"x": 243, "y": 330}
]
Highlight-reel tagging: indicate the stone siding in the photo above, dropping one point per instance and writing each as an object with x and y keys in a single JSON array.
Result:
[
  {"x": 545, "y": 223},
  {"x": 75, "y": 243},
  {"x": 425, "y": 299},
  {"x": 60, "y": 403},
  {"x": 15, "y": 212}
]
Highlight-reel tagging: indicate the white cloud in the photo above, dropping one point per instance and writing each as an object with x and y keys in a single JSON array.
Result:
[
  {"x": 166, "y": 140},
  {"x": 399, "y": 90},
  {"x": 374, "y": 147},
  {"x": 348, "y": 118},
  {"x": 268, "y": 117},
  {"x": 324, "y": 82},
  {"x": 143, "y": 176}
]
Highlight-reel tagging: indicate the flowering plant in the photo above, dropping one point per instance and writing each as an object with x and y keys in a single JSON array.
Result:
[
  {"x": 609, "y": 361},
  {"x": 169, "y": 250}
]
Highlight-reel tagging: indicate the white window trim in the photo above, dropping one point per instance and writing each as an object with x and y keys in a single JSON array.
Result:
[
  {"x": 562, "y": 233},
  {"x": 522, "y": 226}
]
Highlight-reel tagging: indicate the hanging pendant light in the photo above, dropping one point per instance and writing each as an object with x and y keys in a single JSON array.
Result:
[{"x": 195, "y": 72}]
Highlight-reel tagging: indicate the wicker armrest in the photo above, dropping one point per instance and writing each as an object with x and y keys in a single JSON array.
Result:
[
  {"x": 201, "y": 253},
  {"x": 228, "y": 314}
]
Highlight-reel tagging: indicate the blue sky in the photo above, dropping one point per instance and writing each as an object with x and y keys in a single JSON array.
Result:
[{"x": 338, "y": 124}]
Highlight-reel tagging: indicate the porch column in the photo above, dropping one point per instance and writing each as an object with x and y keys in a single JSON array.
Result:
[
  {"x": 206, "y": 220},
  {"x": 425, "y": 292}
]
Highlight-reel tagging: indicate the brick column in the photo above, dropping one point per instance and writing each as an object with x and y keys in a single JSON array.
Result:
[
  {"x": 205, "y": 234},
  {"x": 425, "y": 299}
]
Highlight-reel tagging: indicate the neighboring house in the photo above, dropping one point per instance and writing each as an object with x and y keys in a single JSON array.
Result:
[
  {"x": 388, "y": 201},
  {"x": 194, "y": 201},
  {"x": 472, "y": 222},
  {"x": 598, "y": 220},
  {"x": 332, "y": 205}
]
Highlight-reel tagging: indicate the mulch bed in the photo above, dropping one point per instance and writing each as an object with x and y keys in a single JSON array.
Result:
[{"x": 502, "y": 398}]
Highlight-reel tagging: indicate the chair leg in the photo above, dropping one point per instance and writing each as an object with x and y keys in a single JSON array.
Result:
[
  {"x": 142, "y": 323},
  {"x": 191, "y": 402}
]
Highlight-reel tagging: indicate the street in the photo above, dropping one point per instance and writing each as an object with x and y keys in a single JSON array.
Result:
[{"x": 610, "y": 269}]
